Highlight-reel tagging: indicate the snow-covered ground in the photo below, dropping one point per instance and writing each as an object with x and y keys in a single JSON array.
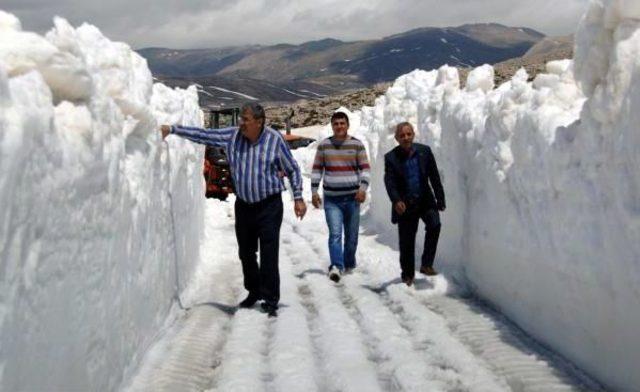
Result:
[
  {"x": 96, "y": 213},
  {"x": 368, "y": 333},
  {"x": 101, "y": 226}
]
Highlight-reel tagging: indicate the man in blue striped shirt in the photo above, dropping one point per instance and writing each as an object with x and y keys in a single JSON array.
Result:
[{"x": 257, "y": 156}]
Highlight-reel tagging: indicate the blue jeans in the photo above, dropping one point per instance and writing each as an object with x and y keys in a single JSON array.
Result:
[{"x": 342, "y": 212}]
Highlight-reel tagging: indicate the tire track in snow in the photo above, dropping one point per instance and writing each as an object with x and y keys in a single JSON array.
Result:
[
  {"x": 504, "y": 365},
  {"x": 348, "y": 366},
  {"x": 186, "y": 356},
  {"x": 472, "y": 334},
  {"x": 399, "y": 360},
  {"x": 188, "y": 361},
  {"x": 299, "y": 269},
  {"x": 311, "y": 315},
  {"x": 291, "y": 352},
  {"x": 359, "y": 335},
  {"x": 244, "y": 364},
  {"x": 526, "y": 365},
  {"x": 400, "y": 367},
  {"x": 436, "y": 356},
  {"x": 391, "y": 344},
  {"x": 450, "y": 359}
]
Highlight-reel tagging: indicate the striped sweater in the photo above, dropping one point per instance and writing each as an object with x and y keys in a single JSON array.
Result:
[{"x": 344, "y": 165}]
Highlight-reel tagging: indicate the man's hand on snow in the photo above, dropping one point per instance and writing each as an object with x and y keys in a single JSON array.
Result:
[
  {"x": 400, "y": 207},
  {"x": 300, "y": 208},
  {"x": 361, "y": 196},
  {"x": 316, "y": 201},
  {"x": 166, "y": 130}
]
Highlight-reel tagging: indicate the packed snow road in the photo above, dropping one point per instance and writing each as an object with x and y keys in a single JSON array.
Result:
[{"x": 369, "y": 332}]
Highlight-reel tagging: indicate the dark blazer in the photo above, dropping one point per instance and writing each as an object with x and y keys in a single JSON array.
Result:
[{"x": 396, "y": 184}]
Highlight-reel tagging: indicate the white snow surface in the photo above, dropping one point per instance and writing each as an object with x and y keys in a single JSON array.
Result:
[
  {"x": 368, "y": 333},
  {"x": 101, "y": 228},
  {"x": 88, "y": 245},
  {"x": 543, "y": 188}
]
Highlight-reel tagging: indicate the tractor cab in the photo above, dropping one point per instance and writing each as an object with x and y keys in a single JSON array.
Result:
[{"x": 219, "y": 117}]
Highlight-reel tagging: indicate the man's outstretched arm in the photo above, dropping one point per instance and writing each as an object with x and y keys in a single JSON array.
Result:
[{"x": 210, "y": 137}]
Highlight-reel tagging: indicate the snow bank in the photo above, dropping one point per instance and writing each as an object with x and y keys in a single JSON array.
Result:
[
  {"x": 543, "y": 188},
  {"x": 90, "y": 257}
]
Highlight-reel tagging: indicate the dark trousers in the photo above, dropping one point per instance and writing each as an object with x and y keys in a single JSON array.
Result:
[
  {"x": 407, "y": 228},
  {"x": 259, "y": 223}
]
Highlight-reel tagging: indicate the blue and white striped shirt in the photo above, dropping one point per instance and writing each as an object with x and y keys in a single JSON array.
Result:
[{"x": 255, "y": 168}]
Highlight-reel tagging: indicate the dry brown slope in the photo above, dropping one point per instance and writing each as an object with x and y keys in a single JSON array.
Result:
[{"x": 313, "y": 112}]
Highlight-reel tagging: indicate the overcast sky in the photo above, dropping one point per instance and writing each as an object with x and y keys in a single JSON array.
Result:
[{"x": 214, "y": 23}]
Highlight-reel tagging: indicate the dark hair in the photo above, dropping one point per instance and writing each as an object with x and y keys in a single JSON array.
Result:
[
  {"x": 256, "y": 109},
  {"x": 402, "y": 125},
  {"x": 338, "y": 115}
]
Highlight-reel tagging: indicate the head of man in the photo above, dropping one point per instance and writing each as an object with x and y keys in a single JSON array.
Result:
[
  {"x": 252, "y": 120},
  {"x": 340, "y": 125},
  {"x": 405, "y": 135}
]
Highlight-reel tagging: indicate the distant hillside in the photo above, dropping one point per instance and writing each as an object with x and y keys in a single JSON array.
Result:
[
  {"x": 536, "y": 58},
  {"x": 551, "y": 46},
  {"x": 285, "y": 73},
  {"x": 318, "y": 111}
]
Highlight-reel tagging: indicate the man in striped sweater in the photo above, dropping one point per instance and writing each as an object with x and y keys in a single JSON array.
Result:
[
  {"x": 342, "y": 160},
  {"x": 257, "y": 155}
]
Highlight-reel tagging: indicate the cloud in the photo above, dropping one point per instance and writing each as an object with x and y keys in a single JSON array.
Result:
[{"x": 212, "y": 23}]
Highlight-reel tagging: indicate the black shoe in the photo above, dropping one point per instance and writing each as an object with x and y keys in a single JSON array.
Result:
[
  {"x": 270, "y": 310},
  {"x": 249, "y": 301}
]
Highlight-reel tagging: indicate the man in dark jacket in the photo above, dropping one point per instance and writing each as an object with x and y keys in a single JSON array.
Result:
[{"x": 413, "y": 185}]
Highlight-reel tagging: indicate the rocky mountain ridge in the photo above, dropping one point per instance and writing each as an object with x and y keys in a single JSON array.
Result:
[
  {"x": 318, "y": 111},
  {"x": 287, "y": 73}
]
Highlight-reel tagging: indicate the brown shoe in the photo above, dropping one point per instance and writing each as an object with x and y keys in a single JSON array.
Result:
[
  {"x": 428, "y": 271},
  {"x": 407, "y": 281}
]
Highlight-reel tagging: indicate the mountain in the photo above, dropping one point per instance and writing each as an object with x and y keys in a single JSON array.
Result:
[
  {"x": 318, "y": 111},
  {"x": 534, "y": 61},
  {"x": 551, "y": 46},
  {"x": 285, "y": 73}
]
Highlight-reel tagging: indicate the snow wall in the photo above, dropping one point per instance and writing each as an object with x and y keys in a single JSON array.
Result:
[
  {"x": 542, "y": 183},
  {"x": 92, "y": 248}
]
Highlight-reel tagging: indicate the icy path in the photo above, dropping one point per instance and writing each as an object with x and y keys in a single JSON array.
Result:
[{"x": 368, "y": 333}]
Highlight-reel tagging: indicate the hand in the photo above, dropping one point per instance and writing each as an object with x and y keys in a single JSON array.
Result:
[
  {"x": 166, "y": 130},
  {"x": 300, "y": 208},
  {"x": 361, "y": 196},
  {"x": 316, "y": 201},
  {"x": 400, "y": 207},
  {"x": 441, "y": 207}
]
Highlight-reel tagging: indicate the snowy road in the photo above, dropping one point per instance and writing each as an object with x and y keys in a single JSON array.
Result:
[{"x": 368, "y": 333}]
